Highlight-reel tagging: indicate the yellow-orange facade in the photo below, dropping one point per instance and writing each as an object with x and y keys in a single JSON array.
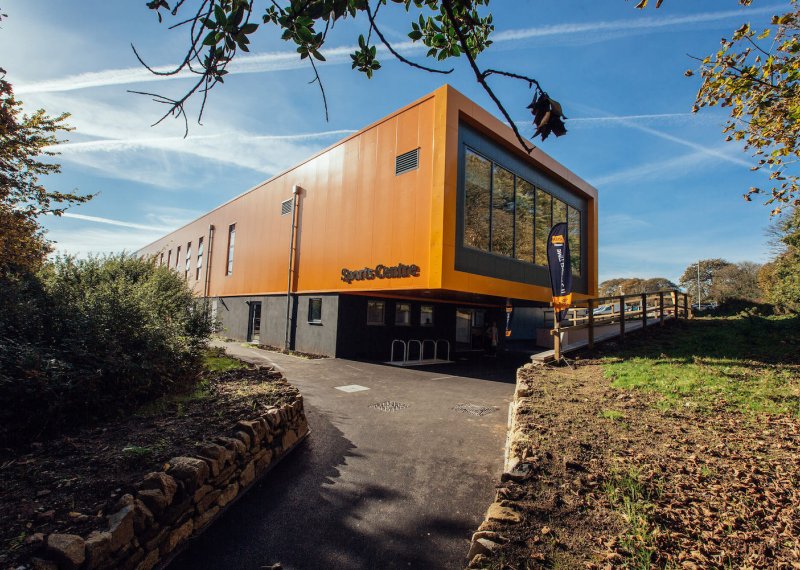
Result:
[{"x": 354, "y": 212}]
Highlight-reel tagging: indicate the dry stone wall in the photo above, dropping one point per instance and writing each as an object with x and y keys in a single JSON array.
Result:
[
  {"x": 148, "y": 527},
  {"x": 517, "y": 467}
]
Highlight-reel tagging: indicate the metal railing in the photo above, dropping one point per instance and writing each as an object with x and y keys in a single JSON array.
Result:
[
  {"x": 421, "y": 344},
  {"x": 619, "y": 309}
]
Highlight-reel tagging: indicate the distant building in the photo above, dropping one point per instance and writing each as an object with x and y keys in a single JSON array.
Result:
[{"x": 424, "y": 225}]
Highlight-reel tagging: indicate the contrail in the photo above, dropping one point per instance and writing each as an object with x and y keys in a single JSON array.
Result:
[
  {"x": 110, "y": 145},
  {"x": 111, "y": 222},
  {"x": 281, "y": 61}
]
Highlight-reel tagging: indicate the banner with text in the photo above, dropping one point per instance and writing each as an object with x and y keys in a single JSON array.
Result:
[{"x": 560, "y": 270}]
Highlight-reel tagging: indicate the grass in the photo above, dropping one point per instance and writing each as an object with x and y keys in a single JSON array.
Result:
[
  {"x": 612, "y": 415},
  {"x": 631, "y": 498},
  {"x": 744, "y": 362},
  {"x": 215, "y": 360}
]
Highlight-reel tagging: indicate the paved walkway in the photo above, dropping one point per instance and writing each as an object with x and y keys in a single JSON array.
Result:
[{"x": 371, "y": 488}]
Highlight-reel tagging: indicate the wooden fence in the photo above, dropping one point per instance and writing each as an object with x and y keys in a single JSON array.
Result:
[{"x": 621, "y": 309}]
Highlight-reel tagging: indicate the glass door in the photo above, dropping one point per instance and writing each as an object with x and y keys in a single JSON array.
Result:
[{"x": 254, "y": 323}]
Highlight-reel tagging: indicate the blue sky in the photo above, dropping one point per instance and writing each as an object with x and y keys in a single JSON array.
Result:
[{"x": 670, "y": 187}]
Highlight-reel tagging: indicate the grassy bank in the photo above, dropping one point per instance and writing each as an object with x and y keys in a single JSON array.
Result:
[{"x": 747, "y": 363}]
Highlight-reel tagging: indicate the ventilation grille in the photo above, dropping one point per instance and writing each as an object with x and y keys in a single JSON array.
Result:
[
  {"x": 286, "y": 207},
  {"x": 406, "y": 162}
]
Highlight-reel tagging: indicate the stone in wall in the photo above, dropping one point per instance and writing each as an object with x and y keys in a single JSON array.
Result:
[{"x": 168, "y": 507}]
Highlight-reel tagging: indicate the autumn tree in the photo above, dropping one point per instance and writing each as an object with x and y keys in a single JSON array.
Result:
[
  {"x": 24, "y": 143},
  {"x": 756, "y": 74},
  {"x": 634, "y": 286},
  {"x": 780, "y": 278},
  {"x": 736, "y": 281},
  {"x": 708, "y": 271}
]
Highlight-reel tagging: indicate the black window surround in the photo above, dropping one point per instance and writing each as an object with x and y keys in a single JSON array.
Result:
[
  {"x": 315, "y": 311},
  {"x": 373, "y": 305},
  {"x": 479, "y": 262}
]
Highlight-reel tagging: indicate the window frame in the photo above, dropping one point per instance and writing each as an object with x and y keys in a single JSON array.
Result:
[
  {"x": 432, "y": 312},
  {"x": 188, "y": 263},
  {"x": 407, "y": 312},
  {"x": 198, "y": 270},
  {"x": 383, "y": 313},
  {"x": 317, "y": 321},
  {"x": 231, "y": 249}
]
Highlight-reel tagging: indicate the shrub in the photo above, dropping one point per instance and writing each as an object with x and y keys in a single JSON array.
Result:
[{"x": 89, "y": 339}]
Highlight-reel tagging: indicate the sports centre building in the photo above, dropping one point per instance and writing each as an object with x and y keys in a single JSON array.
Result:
[{"x": 429, "y": 224}]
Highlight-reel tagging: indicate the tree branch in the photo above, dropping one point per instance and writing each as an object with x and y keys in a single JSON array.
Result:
[
  {"x": 480, "y": 77},
  {"x": 373, "y": 26}
]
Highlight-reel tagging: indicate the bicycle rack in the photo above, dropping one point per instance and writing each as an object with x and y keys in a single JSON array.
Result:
[
  {"x": 421, "y": 346},
  {"x": 405, "y": 350},
  {"x": 424, "y": 343},
  {"x": 436, "y": 350},
  {"x": 408, "y": 351}
]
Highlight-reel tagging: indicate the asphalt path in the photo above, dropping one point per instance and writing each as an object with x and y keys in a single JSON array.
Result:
[{"x": 370, "y": 488}]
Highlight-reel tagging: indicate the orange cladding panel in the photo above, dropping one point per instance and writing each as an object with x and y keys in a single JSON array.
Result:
[{"x": 353, "y": 212}]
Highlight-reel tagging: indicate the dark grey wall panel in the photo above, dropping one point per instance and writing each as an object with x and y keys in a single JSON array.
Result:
[{"x": 317, "y": 338}]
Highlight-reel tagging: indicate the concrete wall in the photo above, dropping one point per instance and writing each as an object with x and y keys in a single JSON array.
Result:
[
  {"x": 233, "y": 315},
  {"x": 317, "y": 338}
]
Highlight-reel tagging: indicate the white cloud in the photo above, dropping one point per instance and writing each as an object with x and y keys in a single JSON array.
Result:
[
  {"x": 663, "y": 169},
  {"x": 280, "y": 61},
  {"x": 85, "y": 241},
  {"x": 111, "y": 222},
  {"x": 628, "y": 25}
]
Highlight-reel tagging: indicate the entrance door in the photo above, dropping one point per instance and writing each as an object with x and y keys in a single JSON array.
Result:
[
  {"x": 254, "y": 322},
  {"x": 470, "y": 329}
]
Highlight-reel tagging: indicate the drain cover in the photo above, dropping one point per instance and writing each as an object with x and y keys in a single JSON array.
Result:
[
  {"x": 389, "y": 406},
  {"x": 474, "y": 409}
]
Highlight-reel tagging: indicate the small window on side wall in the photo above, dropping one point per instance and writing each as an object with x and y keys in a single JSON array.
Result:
[
  {"x": 402, "y": 315},
  {"x": 376, "y": 313},
  {"x": 426, "y": 315},
  {"x": 315, "y": 311}
]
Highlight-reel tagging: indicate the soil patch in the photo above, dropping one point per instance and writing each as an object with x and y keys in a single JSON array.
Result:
[
  {"x": 621, "y": 481},
  {"x": 66, "y": 484}
]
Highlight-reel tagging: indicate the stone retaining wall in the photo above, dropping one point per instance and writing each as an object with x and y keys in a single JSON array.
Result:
[
  {"x": 518, "y": 468},
  {"x": 147, "y": 528}
]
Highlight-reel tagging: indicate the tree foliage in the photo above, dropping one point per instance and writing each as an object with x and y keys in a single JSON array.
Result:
[
  {"x": 756, "y": 74},
  {"x": 24, "y": 154},
  {"x": 450, "y": 29},
  {"x": 634, "y": 286},
  {"x": 780, "y": 278},
  {"x": 85, "y": 339},
  {"x": 708, "y": 271}
]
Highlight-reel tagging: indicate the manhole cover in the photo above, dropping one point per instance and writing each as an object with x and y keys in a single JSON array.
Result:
[
  {"x": 474, "y": 409},
  {"x": 389, "y": 406}
]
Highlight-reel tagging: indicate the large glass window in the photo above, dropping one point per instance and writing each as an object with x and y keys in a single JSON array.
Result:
[
  {"x": 544, "y": 221},
  {"x": 477, "y": 195},
  {"x": 177, "y": 258},
  {"x": 507, "y": 215},
  {"x": 574, "y": 237},
  {"x": 559, "y": 211},
  {"x": 199, "y": 258},
  {"x": 502, "y": 211},
  {"x": 376, "y": 313},
  {"x": 402, "y": 314},
  {"x": 231, "y": 241},
  {"x": 524, "y": 215},
  {"x": 315, "y": 311},
  {"x": 169, "y": 258}
]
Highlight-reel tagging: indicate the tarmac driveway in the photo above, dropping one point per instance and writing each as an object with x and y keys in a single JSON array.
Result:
[{"x": 402, "y": 485}]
